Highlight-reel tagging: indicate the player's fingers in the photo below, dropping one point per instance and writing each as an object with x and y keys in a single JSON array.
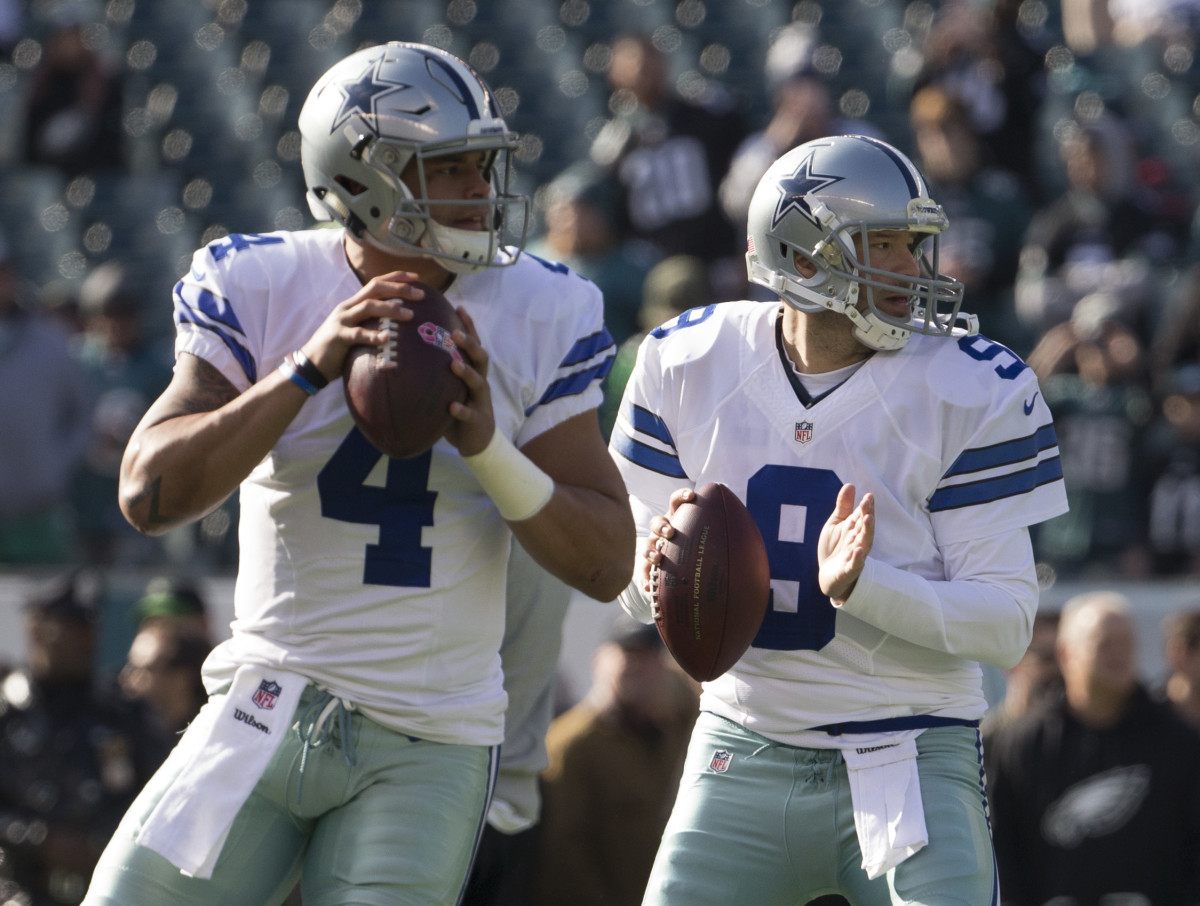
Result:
[
  {"x": 479, "y": 355},
  {"x": 678, "y": 497},
  {"x": 476, "y": 383},
  {"x": 845, "y": 501},
  {"x": 472, "y": 351},
  {"x": 402, "y": 282}
]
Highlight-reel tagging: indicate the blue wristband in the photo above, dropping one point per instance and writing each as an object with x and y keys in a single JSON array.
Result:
[
  {"x": 288, "y": 367},
  {"x": 307, "y": 370}
]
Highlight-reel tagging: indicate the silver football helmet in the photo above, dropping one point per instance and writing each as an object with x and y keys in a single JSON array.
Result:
[
  {"x": 373, "y": 113},
  {"x": 814, "y": 200}
]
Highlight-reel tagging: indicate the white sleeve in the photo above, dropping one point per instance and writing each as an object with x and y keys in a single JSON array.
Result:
[
  {"x": 636, "y": 602},
  {"x": 982, "y": 612}
]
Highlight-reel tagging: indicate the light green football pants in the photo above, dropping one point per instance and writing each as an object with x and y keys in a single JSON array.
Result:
[
  {"x": 775, "y": 827},
  {"x": 363, "y": 815}
]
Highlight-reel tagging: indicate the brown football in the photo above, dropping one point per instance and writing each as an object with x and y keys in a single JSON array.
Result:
[
  {"x": 400, "y": 393},
  {"x": 711, "y": 590}
]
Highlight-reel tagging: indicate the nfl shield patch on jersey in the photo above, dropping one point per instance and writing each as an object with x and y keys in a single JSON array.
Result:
[{"x": 804, "y": 432}]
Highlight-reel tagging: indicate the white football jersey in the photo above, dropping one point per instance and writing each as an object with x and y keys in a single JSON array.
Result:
[
  {"x": 382, "y": 580},
  {"x": 950, "y": 436}
]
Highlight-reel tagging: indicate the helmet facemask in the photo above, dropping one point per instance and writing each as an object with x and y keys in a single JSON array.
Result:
[{"x": 412, "y": 227}]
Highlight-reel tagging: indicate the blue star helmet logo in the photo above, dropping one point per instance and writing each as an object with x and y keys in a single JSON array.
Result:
[
  {"x": 363, "y": 96},
  {"x": 793, "y": 189}
]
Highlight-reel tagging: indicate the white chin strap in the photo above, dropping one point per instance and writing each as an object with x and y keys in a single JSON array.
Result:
[
  {"x": 459, "y": 251},
  {"x": 868, "y": 329}
]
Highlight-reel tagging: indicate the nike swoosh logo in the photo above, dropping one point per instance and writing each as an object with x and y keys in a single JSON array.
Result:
[{"x": 1029, "y": 405}]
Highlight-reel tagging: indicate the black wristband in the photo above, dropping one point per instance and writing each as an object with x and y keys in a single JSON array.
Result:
[{"x": 307, "y": 370}]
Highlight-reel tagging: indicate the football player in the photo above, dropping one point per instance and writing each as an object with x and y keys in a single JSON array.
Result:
[
  {"x": 351, "y": 733},
  {"x": 893, "y": 458}
]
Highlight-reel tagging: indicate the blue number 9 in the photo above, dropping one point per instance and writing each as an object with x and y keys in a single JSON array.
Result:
[{"x": 809, "y": 496}]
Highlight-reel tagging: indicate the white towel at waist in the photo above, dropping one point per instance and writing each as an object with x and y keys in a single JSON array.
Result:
[
  {"x": 225, "y": 751},
  {"x": 885, "y": 790}
]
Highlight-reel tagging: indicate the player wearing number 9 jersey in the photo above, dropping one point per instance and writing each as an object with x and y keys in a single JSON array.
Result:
[
  {"x": 351, "y": 735},
  {"x": 893, "y": 459}
]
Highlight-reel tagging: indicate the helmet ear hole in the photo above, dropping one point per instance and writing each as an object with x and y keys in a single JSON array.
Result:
[
  {"x": 804, "y": 265},
  {"x": 354, "y": 187}
]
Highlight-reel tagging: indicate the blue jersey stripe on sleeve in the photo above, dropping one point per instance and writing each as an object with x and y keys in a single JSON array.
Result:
[
  {"x": 574, "y": 384},
  {"x": 1007, "y": 453},
  {"x": 646, "y": 422},
  {"x": 993, "y": 489},
  {"x": 209, "y": 306},
  {"x": 588, "y": 347},
  {"x": 647, "y": 457},
  {"x": 216, "y": 316}
]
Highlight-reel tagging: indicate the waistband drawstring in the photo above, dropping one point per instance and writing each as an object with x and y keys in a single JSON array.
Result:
[{"x": 320, "y": 731}]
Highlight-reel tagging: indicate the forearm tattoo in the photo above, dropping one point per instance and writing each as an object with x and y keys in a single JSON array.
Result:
[
  {"x": 139, "y": 501},
  {"x": 202, "y": 388}
]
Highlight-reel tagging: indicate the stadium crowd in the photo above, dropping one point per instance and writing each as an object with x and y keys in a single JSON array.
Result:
[{"x": 1063, "y": 140}]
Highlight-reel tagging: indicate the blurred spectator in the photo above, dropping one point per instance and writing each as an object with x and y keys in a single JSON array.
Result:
[
  {"x": 72, "y": 754},
  {"x": 1171, "y": 464},
  {"x": 506, "y": 868},
  {"x": 1087, "y": 25},
  {"x": 59, "y": 300},
  {"x": 581, "y": 233},
  {"x": 615, "y": 762},
  {"x": 992, "y": 61},
  {"x": 45, "y": 420},
  {"x": 1181, "y": 645},
  {"x": 1095, "y": 795},
  {"x": 1034, "y": 677},
  {"x": 671, "y": 287},
  {"x": 1092, "y": 373},
  {"x": 802, "y": 109},
  {"x": 72, "y": 118},
  {"x": 127, "y": 370},
  {"x": 668, "y": 154},
  {"x": 175, "y": 601},
  {"x": 12, "y": 18},
  {"x": 162, "y": 670},
  {"x": 988, "y": 208},
  {"x": 1175, "y": 340},
  {"x": 1095, "y": 235}
]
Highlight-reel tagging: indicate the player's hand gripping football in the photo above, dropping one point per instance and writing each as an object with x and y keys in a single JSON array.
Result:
[
  {"x": 474, "y": 420},
  {"x": 846, "y": 539},
  {"x": 380, "y": 297},
  {"x": 661, "y": 529}
]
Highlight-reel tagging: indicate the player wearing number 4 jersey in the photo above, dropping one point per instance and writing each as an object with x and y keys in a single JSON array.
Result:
[
  {"x": 351, "y": 735},
  {"x": 893, "y": 459}
]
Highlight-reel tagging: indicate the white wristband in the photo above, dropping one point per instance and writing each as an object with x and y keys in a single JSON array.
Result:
[{"x": 514, "y": 482}]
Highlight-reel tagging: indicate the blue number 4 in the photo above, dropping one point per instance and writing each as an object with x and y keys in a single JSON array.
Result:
[{"x": 401, "y": 508}]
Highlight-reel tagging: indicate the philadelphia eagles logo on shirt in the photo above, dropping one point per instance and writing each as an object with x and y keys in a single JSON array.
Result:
[{"x": 1096, "y": 806}]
